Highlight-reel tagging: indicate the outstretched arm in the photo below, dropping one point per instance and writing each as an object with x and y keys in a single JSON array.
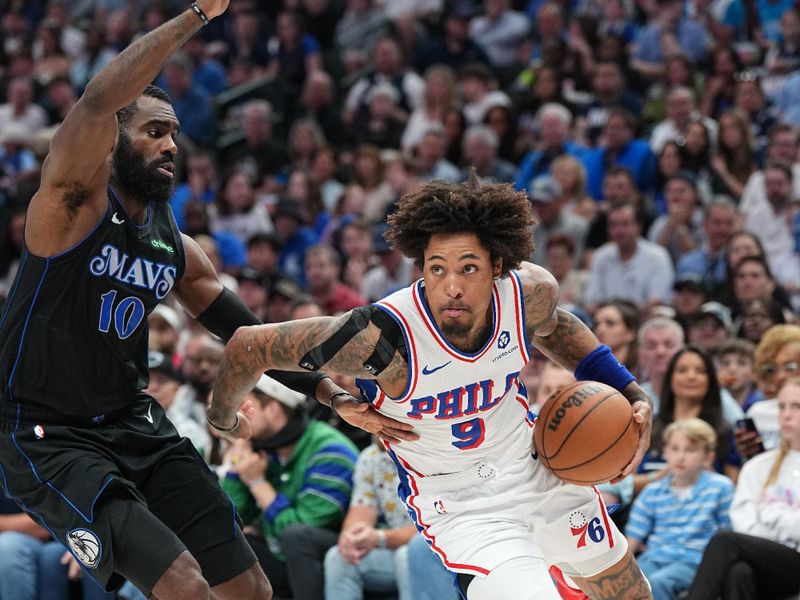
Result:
[
  {"x": 222, "y": 312},
  {"x": 283, "y": 346},
  {"x": 76, "y": 171}
]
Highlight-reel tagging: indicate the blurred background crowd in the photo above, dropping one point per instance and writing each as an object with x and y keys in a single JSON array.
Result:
[{"x": 657, "y": 141}]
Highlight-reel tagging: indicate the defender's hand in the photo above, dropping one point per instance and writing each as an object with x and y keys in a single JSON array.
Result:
[
  {"x": 643, "y": 416},
  {"x": 213, "y": 8},
  {"x": 363, "y": 416}
]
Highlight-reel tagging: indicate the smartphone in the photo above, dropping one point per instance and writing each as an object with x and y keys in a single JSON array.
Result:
[{"x": 749, "y": 425}]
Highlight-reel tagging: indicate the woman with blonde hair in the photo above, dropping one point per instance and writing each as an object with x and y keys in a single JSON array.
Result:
[{"x": 760, "y": 558}]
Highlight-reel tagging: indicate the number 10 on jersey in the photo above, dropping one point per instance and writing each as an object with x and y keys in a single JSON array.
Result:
[{"x": 127, "y": 314}]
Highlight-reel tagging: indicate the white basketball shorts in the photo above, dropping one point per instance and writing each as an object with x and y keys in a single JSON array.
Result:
[{"x": 510, "y": 506}]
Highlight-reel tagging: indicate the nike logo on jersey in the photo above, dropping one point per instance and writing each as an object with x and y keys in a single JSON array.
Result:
[
  {"x": 149, "y": 417},
  {"x": 427, "y": 371},
  {"x": 116, "y": 220}
]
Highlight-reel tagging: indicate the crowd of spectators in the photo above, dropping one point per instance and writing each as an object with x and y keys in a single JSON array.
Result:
[{"x": 658, "y": 143}]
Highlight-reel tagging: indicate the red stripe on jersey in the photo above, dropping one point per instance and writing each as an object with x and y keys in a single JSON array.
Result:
[
  {"x": 412, "y": 353},
  {"x": 524, "y": 402},
  {"x": 605, "y": 517},
  {"x": 519, "y": 317},
  {"x": 411, "y": 502}
]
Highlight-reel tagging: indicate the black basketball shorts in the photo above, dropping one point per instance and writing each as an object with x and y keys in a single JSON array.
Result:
[{"x": 125, "y": 496}]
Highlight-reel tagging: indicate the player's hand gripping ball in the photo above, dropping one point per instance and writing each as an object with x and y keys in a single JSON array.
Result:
[{"x": 585, "y": 433}]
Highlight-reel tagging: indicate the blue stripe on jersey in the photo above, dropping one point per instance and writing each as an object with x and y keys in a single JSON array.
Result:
[
  {"x": 42, "y": 522},
  {"x": 10, "y": 298},
  {"x": 25, "y": 329},
  {"x": 679, "y": 529},
  {"x": 404, "y": 489}
]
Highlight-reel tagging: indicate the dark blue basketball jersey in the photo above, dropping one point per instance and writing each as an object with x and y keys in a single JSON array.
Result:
[{"x": 73, "y": 333}]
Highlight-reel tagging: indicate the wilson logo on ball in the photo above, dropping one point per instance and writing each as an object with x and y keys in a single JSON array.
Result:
[{"x": 575, "y": 399}]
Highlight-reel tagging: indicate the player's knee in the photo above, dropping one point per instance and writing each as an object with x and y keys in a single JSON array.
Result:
[
  {"x": 183, "y": 579},
  {"x": 195, "y": 587},
  {"x": 255, "y": 585}
]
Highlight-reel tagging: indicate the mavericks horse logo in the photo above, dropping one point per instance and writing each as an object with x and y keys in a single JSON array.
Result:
[{"x": 85, "y": 545}]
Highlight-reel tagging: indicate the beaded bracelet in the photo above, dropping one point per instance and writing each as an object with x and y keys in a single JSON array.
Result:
[{"x": 200, "y": 13}]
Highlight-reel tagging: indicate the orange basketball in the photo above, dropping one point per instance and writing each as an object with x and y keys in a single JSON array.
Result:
[{"x": 585, "y": 433}]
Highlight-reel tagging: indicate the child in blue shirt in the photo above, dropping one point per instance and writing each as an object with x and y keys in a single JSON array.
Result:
[{"x": 673, "y": 518}]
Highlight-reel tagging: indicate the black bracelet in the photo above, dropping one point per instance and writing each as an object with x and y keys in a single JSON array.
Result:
[
  {"x": 223, "y": 429},
  {"x": 202, "y": 16},
  {"x": 336, "y": 395}
]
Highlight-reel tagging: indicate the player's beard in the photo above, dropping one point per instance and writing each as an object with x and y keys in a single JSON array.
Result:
[
  {"x": 453, "y": 330},
  {"x": 141, "y": 180}
]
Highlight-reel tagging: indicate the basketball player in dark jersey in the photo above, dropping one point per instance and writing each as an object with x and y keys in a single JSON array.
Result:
[{"x": 82, "y": 449}]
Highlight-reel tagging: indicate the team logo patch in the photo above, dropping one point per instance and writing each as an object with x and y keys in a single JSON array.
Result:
[
  {"x": 38, "y": 431},
  {"x": 85, "y": 545},
  {"x": 580, "y": 527},
  {"x": 503, "y": 340}
]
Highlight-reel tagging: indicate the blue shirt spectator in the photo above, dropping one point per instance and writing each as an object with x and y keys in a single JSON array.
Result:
[{"x": 692, "y": 37}]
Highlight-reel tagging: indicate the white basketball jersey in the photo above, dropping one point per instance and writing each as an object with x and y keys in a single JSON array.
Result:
[{"x": 465, "y": 407}]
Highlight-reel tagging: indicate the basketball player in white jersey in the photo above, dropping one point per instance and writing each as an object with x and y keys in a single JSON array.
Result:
[{"x": 443, "y": 356}]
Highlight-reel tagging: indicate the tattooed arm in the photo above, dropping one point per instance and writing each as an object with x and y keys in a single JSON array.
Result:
[
  {"x": 564, "y": 339},
  {"x": 253, "y": 350},
  {"x": 622, "y": 581}
]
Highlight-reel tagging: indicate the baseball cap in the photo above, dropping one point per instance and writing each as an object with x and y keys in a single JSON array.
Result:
[
  {"x": 169, "y": 315},
  {"x": 544, "y": 189},
  {"x": 719, "y": 311},
  {"x": 286, "y": 288},
  {"x": 250, "y": 274},
  {"x": 277, "y": 391},
  {"x": 690, "y": 282},
  {"x": 162, "y": 363}
]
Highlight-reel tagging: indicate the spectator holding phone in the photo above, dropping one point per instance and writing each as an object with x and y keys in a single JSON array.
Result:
[
  {"x": 760, "y": 558},
  {"x": 777, "y": 359}
]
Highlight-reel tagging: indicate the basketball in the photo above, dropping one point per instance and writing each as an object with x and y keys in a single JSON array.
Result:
[{"x": 585, "y": 433}]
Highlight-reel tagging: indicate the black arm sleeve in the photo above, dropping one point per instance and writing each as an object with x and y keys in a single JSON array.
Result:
[{"x": 227, "y": 313}]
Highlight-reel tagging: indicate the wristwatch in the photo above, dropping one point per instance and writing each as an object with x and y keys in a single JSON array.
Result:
[{"x": 381, "y": 538}]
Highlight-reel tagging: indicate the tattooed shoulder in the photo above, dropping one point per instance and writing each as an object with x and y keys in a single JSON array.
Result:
[{"x": 540, "y": 295}]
